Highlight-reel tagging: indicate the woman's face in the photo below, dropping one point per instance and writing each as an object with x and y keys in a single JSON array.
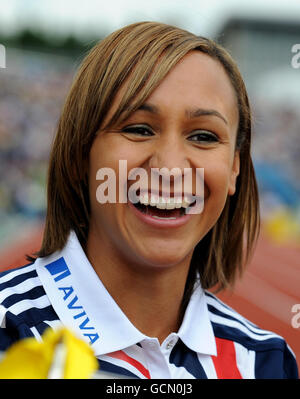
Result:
[{"x": 189, "y": 121}]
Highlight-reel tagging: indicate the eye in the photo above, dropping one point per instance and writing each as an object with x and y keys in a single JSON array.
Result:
[
  {"x": 204, "y": 136},
  {"x": 140, "y": 130}
]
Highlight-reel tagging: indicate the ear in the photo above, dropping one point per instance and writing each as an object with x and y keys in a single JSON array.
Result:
[{"x": 234, "y": 173}]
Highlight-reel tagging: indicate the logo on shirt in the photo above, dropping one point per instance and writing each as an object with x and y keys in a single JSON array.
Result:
[{"x": 60, "y": 271}]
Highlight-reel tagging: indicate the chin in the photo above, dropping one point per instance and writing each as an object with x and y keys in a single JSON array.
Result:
[{"x": 164, "y": 258}]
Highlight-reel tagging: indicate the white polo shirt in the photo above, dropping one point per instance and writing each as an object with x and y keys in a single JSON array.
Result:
[
  {"x": 84, "y": 305},
  {"x": 213, "y": 340}
]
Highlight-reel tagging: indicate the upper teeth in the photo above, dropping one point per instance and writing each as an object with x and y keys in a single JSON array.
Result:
[{"x": 164, "y": 202}]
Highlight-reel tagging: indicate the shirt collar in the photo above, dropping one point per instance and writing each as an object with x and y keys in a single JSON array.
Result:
[
  {"x": 85, "y": 306},
  {"x": 196, "y": 330}
]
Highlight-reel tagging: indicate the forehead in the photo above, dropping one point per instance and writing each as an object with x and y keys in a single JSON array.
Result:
[{"x": 197, "y": 80}]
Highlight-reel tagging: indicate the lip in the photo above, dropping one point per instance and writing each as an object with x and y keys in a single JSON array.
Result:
[{"x": 160, "y": 223}]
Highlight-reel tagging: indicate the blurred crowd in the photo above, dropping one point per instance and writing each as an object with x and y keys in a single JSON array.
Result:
[
  {"x": 276, "y": 149},
  {"x": 32, "y": 91}
]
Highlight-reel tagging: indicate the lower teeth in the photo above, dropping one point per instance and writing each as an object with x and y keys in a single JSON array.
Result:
[
  {"x": 161, "y": 213},
  {"x": 157, "y": 217}
]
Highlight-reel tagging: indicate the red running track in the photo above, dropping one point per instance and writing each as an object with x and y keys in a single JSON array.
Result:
[
  {"x": 266, "y": 294},
  {"x": 269, "y": 289}
]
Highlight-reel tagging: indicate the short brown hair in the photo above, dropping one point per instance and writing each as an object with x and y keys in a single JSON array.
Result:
[{"x": 145, "y": 47}]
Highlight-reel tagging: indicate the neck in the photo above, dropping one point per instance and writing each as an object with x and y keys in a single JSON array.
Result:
[{"x": 150, "y": 297}]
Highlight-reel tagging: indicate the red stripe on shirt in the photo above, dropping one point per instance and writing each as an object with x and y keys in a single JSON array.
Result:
[
  {"x": 225, "y": 361},
  {"x": 122, "y": 356}
]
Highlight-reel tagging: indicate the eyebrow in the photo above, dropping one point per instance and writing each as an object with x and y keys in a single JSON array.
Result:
[
  {"x": 195, "y": 113},
  {"x": 149, "y": 108},
  {"x": 191, "y": 113}
]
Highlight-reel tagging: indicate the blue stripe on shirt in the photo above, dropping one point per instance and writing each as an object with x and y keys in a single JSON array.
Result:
[
  {"x": 17, "y": 280},
  {"x": 33, "y": 293},
  {"x": 112, "y": 368},
  {"x": 217, "y": 312},
  {"x": 234, "y": 334},
  {"x": 31, "y": 317},
  {"x": 6, "y": 272},
  {"x": 182, "y": 356}
]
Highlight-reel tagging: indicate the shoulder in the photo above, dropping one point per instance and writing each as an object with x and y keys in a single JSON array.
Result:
[
  {"x": 24, "y": 305},
  {"x": 17, "y": 285},
  {"x": 229, "y": 324},
  {"x": 272, "y": 357}
]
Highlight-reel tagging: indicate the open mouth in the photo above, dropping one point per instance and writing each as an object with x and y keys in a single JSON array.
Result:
[{"x": 163, "y": 208}]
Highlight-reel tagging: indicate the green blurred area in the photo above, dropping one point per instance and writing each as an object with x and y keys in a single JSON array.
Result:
[{"x": 37, "y": 40}]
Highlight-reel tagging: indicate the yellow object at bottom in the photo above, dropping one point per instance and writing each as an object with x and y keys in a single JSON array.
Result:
[{"x": 60, "y": 355}]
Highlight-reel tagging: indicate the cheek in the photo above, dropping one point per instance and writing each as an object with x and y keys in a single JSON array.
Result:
[
  {"x": 216, "y": 180},
  {"x": 98, "y": 159},
  {"x": 102, "y": 155},
  {"x": 107, "y": 152}
]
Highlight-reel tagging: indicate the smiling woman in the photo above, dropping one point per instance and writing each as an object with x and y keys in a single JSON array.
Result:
[{"x": 134, "y": 275}]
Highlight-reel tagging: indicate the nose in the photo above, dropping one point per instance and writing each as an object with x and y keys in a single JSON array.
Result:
[
  {"x": 168, "y": 161},
  {"x": 169, "y": 152}
]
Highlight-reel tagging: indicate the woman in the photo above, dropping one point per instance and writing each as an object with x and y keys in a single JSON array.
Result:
[{"x": 131, "y": 278}]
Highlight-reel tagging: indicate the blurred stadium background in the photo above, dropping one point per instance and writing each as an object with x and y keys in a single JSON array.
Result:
[{"x": 45, "y": 42}]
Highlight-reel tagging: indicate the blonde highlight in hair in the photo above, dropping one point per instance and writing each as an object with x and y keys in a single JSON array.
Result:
[{"x": 141, "y": 55}]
